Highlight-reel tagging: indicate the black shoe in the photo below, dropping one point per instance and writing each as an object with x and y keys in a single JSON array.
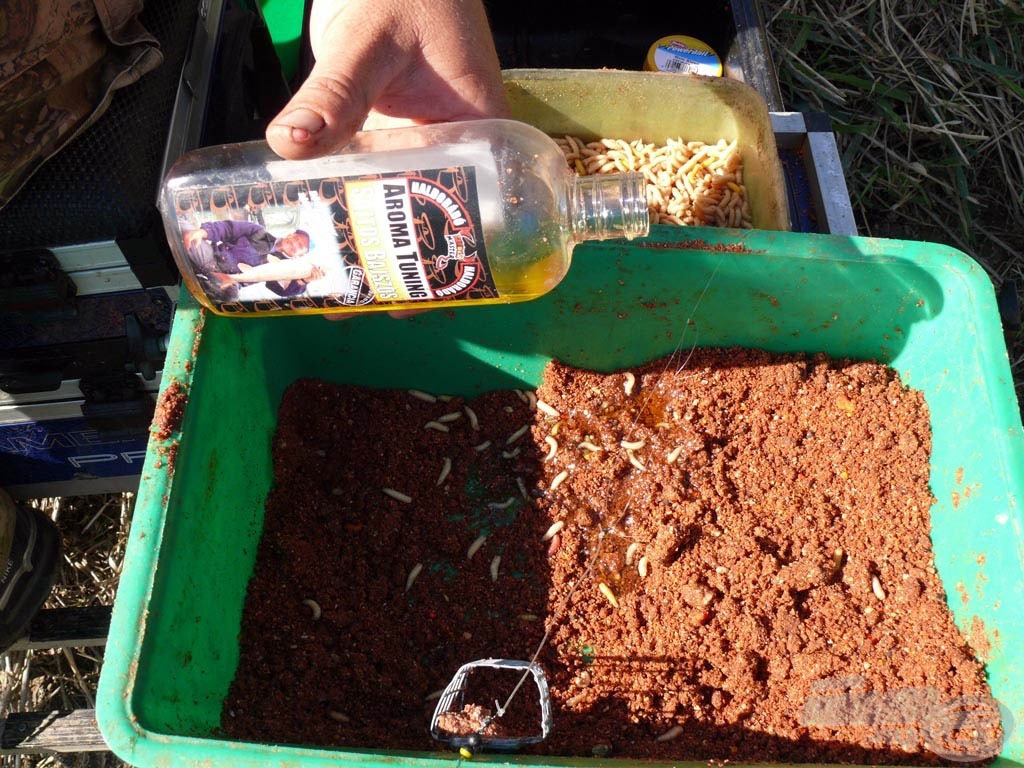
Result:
[{"x": 29, "y": 572}]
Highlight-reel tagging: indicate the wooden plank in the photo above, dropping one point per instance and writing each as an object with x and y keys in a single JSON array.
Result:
[
  {"x": 41, "y": 732},
  {"x": 67, "y": 627}
]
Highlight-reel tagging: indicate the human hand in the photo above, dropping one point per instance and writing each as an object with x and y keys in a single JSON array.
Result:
[
  {"x": 384, "y": 63},
  {"x": 193, "y": 236},
  {"x": 387, "y": 63}
]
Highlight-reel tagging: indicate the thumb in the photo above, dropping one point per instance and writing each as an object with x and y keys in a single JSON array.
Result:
[{"x": 333, "y": 102}]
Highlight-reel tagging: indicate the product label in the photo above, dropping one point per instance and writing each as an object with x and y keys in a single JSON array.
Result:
[
  {"x": 337, "y": 243},
  {"x": 687, "y": 55}
]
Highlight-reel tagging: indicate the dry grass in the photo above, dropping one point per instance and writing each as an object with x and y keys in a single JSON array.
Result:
[
  {"x": 926, "y": 98},
  {"x": 94, "y": 531}
]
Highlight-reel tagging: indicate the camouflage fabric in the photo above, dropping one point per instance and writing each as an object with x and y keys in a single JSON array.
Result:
[{"x": 60, "y": 62}]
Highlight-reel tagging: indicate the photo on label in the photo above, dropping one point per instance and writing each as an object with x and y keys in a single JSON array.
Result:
[{"x": 266, "y": 252}]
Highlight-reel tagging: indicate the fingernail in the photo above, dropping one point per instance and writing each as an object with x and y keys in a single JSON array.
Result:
[{"x": 302, "y": 122}]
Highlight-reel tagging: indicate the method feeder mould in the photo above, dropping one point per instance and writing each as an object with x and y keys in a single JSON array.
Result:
[{"x": 453, "y": 699}]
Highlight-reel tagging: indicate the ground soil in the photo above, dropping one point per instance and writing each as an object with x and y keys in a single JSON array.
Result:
[{"x": 743, "y": 569}]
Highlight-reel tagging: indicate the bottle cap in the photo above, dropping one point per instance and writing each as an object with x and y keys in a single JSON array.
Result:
[{"x": 681, "y": 53}]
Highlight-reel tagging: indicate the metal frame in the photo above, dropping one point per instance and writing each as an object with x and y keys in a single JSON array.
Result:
[
  {"x": 811, "y": 136},
  {"x": 63, "y": 427},
  {"x": 749, "y": 58}
]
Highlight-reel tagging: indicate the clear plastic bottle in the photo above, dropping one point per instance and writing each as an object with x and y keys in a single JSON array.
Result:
[{"x": 479, "y": 212}]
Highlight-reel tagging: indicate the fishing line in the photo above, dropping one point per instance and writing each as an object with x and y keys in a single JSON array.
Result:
[{"x": 557, "y": 618}]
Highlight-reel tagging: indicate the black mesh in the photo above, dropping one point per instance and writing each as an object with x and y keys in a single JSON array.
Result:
[{"x": 103, "y": 185}]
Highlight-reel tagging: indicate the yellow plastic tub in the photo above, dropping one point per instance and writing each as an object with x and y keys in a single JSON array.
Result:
[{"x": 655, "y": 106}]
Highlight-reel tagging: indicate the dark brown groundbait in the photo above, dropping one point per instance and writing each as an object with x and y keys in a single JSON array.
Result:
[{"x": 733, "y": 561}]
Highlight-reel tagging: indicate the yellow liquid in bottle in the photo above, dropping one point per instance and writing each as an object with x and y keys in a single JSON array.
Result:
[{"x": 395, "y": 222}]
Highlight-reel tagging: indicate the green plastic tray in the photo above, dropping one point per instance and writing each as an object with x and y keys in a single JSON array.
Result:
[{"x": 926, "y": 309}]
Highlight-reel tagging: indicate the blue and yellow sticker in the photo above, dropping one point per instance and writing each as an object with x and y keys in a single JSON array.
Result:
[{"x": 681, "y": 53}]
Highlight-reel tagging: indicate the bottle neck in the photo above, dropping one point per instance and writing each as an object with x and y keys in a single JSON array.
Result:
[{"x": 609, "y": 205}]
